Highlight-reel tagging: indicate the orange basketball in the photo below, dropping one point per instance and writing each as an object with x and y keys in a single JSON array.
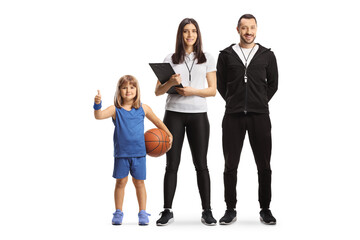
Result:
[{"x": 157, "y": 142}]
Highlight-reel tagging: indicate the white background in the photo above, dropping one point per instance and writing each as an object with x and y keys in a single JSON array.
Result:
[{"x": 56, "y": 159}]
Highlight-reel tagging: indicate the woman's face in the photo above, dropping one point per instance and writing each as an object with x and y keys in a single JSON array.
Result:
[{"x": 189, "y": 34}]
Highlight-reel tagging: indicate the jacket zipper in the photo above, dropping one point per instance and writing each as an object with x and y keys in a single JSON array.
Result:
[
  {"x": 246, "y": 78},
  {"x": 245, "y": 82},
  {"x": 246, "y": 91}
]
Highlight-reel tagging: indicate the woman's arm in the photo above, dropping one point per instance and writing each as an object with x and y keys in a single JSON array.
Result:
[
  {"x": 210, "y": 91},
  {"x": 160, "y": 89},
  {"x": 156, "y": 121}
]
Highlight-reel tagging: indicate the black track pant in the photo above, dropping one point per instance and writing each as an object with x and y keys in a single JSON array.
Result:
[
  {"x": 258, "y": 127},
  {"x": 197, "y": 128}
]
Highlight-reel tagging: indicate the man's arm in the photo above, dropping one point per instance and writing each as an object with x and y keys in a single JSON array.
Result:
[
  {"x": 221, "y": 75},
  {"x": 272, "y": 77}
]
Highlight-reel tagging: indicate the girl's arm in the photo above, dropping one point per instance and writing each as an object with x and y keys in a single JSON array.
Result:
[
  {"x": 103, "y": 114},
  {"x": 156, "y": 121},
  {"x": 160, "y": 89},
  {"x": 210, "y": 91}
]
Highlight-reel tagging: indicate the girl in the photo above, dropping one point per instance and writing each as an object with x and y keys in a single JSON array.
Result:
[
  {"x": 129, "y": 144},
  {"x": 187, "y": 112}
]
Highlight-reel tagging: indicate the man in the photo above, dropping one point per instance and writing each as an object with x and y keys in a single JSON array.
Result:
[{"x": 247, "y": 78}]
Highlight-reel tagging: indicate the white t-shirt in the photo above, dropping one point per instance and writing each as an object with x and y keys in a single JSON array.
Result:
[
  {"x": 190, "y": 104},
  {"x": 246, "y": 51}
]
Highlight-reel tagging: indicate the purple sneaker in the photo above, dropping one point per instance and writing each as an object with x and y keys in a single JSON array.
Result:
[
  {"x": 143, "y": 217},
  {"x": 118, "y": 217}
]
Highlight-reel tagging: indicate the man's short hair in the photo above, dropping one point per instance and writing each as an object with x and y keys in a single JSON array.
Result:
[{"x": 246, "y": 16}]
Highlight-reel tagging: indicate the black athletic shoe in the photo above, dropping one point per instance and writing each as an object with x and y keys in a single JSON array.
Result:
[
  {"x": 266, "y": 217},
  {"x": 167, "y": 217},
  {"x": 229, "y": 217},
  {"x": 207, "y": 218}
]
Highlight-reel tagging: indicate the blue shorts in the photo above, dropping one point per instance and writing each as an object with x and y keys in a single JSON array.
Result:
[{"x": 135, "y": 165}]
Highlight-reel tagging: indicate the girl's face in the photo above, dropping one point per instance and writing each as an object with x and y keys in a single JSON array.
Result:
[
  {"x": 189, "y": 34},
  {"x": 127, "y": 91}
]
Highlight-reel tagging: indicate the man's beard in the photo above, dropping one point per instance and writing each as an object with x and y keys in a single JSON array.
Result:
[{"x": 246, "y": 41}]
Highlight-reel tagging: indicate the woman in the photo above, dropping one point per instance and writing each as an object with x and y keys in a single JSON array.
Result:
[{"x": 187, "y": 112}]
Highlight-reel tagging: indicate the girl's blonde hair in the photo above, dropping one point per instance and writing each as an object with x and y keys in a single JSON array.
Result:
[{"x": 118, "y": 101}]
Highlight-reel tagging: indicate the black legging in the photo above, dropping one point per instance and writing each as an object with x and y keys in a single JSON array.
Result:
[{"x": 197, "y": 130}]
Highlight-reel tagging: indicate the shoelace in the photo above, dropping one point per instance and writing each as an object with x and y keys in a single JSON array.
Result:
[
  {"x": 161, "y": 213},
  {"x": 118, "y": 214},
  {"x": 268, "y": 214},
  {"x": 229, "y": 212},
  {"x": 208, "y": 213},
  {"x": 144, "y": 213}
]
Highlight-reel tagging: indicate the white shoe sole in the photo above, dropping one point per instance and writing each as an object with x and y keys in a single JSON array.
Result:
[
  {"x": 225, "y": 223},
  {"x": 170, "y": 221},
  {"x": 270, "y": 223},
  {"x": 207, "y": 224}
]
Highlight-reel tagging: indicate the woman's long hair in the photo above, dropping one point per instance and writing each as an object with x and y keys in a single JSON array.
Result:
[
  {"x": 178, "y": 56},
  {"x": 118, "y": 101}
]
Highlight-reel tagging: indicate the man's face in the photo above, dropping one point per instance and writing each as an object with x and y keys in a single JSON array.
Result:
[{"x": 247, "y": 30}]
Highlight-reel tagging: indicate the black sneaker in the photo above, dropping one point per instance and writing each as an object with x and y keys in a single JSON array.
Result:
[
  {"x": 229, "y": 217},
  {"x": 167, "y": 217},
  {"x": 207, "y": 218},
  {"x": 266, "y": 217}
]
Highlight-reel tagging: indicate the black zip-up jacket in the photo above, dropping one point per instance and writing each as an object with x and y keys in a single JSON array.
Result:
[{"x": 261, "y": 85}]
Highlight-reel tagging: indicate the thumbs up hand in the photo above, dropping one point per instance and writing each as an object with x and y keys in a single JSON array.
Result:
[{"x": 98, "y": 97}]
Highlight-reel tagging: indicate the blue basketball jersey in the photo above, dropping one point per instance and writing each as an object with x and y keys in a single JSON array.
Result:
[{"x": 129, "y": 140}]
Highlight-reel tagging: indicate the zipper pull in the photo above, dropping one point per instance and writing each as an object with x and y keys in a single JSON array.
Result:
[{"x": 245, "y": 79}]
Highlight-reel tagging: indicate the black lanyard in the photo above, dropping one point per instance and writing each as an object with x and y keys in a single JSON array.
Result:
[
  {"x": 189, "y": 69},
  {"x": 246, "y": 59}
]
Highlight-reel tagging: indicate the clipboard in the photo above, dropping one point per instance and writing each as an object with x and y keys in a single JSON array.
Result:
[{"x": 163, "y": 72}]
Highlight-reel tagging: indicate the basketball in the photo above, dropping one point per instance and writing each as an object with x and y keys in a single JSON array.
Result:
[{"x": 157, "y": 142}]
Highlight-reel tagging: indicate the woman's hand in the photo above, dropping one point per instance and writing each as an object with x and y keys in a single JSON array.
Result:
[
  {"x": 175, "y": 79},
  {"x": 186, "y": 91},
  {"x": 210, "y": 91}
]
